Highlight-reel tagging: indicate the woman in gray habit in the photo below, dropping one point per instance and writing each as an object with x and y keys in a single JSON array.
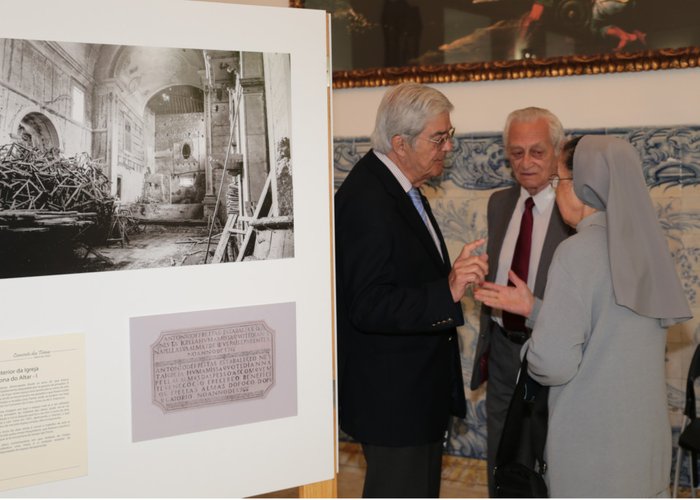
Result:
[{"x": 599, "y": 335}]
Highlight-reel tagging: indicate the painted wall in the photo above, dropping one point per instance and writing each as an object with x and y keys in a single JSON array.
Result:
[
  {"x": 659, "y": 112},
  {"x": 172, "y": 133},
  {"x": 278, "y": 100},
  {"x": 119, "y": 139},
  {"x": 254, "y": 125},
  {"x": 649, "y": 98},
  {"x": 38, "y": 77}
]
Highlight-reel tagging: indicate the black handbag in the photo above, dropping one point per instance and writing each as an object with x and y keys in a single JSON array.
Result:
[{"x": 520, "y": 464}]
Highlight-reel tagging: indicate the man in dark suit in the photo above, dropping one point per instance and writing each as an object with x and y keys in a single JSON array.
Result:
[
  {"x": 533, "y": 138},
  {"x": 398, "y": 299}
]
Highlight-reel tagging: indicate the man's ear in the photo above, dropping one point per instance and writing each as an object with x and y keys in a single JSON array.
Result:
[{"x": 399, "y": 145}]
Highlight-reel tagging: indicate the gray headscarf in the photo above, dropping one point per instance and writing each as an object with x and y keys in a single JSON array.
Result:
[{"x": 608, "y": 176}]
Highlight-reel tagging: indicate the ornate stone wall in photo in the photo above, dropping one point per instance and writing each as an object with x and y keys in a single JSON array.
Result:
[{"x": 193, "y": 371}]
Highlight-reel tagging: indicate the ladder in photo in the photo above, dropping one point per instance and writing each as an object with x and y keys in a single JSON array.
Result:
[{"x": 264, "y": 204}]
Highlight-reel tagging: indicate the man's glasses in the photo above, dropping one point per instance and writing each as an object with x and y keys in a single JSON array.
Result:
[
  {"x": 554, "y": 180},
  {"x": 442, "y": 139}
]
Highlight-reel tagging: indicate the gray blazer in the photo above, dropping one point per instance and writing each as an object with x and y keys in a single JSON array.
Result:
[{"x": 500, "y": 210}]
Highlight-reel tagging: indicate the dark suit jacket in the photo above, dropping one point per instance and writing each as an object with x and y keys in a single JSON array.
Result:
[
  {"x": 399, "y": 371},
  {"x": 500, "y": 210}
]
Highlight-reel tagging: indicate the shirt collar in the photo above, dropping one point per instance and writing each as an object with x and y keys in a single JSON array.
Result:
[
  {"x": 543, "y": 200},
  {"x": 395, "y": 170}
]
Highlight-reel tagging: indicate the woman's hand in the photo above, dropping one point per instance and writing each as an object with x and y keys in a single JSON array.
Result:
[{"x": 516, "y": 299}]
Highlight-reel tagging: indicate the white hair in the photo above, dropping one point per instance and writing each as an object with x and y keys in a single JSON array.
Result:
[
  {"x": 532, "y": 114},
  {"x": 404, "y": 110}
]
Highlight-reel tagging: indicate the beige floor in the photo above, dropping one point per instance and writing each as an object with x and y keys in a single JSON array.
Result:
[{"x": 461, "y": 478}]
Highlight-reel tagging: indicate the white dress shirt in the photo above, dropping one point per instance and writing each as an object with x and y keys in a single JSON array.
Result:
[{"x": 541, "y": 214}]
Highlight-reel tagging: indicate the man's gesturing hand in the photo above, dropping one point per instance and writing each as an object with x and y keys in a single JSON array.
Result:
[{"x": 467, "y": 269}]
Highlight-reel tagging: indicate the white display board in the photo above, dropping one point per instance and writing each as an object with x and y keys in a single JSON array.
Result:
[{"x": 226, "y": 461}]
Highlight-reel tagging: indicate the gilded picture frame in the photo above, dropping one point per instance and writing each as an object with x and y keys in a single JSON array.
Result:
[{"x": 447, "y": 41}]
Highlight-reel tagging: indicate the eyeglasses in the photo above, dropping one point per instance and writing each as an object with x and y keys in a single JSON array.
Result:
[
  {"x": 442, "y": 139},
  {"x": 554, "y": 180}
]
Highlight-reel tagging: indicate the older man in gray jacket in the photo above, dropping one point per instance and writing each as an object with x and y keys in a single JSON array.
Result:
[{"x": 524, "y": 229}]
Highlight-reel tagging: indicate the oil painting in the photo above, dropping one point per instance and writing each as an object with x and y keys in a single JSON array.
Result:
[{"x": 379, "y": 43}]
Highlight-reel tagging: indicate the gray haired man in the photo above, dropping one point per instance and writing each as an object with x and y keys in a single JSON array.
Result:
[
  {"x": 398, "y": 299},
  {"x": 533, "y": 138}
]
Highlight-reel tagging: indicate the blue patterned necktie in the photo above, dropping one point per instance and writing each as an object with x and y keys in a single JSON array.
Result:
[{"x": 414, "y": 194}]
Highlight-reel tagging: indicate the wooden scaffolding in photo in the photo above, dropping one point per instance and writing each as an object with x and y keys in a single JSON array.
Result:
[
  {"x": 254, "y": 229},
  {"x": 239, "y": 236}
]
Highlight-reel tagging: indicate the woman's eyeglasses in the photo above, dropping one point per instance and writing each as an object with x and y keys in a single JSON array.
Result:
[{"x": 554, "y": 180}]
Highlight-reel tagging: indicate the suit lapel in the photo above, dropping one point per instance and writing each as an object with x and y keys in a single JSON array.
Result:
[
  {"x": 445, "y": 259},
  {"x": 411, "y": 215},
  {"x": 499, "y": 226},
  {"x": 557, "y": 232},
  {"x": 409, "y": 212}
]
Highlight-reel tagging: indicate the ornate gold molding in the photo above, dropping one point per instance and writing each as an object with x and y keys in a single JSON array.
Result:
[{"x": 649, "y": 60}]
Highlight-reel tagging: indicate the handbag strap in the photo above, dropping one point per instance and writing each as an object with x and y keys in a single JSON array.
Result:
[
  {"x": 539, "y": 418},
  {"x": 525, "y": 429}
]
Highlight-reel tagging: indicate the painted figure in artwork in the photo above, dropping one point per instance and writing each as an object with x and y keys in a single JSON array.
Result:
[{"x": 599, "y": 17}]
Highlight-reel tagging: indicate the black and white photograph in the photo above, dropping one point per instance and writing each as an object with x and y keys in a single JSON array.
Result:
[{"x": 132, "y": 157}]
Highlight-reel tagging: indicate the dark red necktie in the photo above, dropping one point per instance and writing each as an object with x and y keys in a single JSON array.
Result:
[{"x": 521, "y": 264}]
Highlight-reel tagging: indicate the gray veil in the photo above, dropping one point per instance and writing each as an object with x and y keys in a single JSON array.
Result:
[{"x": 608, "y": 176}]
